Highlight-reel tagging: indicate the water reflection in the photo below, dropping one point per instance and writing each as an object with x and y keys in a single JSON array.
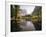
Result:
[{"x": 27, "y": 26}]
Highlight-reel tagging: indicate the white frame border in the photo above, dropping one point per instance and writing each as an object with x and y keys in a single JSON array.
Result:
[{"x": 8, "y": 33}]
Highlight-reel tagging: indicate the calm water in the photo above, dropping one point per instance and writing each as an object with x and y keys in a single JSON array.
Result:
[{"x": 27, "y": 25}]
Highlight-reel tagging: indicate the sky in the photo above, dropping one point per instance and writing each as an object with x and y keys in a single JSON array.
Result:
[{"x": 28, "y": 8}]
